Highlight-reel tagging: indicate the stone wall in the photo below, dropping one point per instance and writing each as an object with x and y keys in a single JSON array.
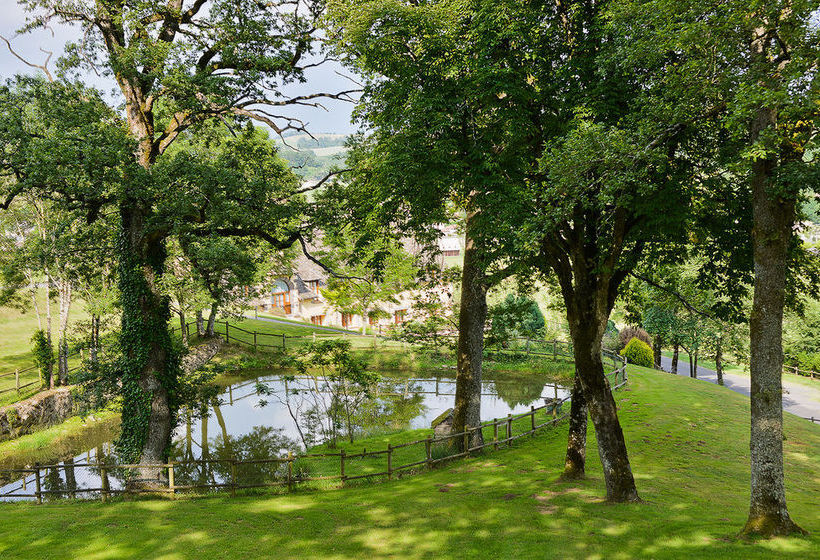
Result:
[
  {"x": 43, "y": 409},
  {"x": 55, "y": 405}
]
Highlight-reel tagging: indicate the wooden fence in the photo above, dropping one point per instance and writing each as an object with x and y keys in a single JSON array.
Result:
[{"x": 337, "y": 468}]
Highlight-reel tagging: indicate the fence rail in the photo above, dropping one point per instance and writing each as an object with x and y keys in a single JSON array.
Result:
[{"x": 341, "y": 466}]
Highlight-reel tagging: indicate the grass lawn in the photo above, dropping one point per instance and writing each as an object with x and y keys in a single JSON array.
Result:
[
  {"x": 15, "y": 343},
  {"x": 688, "y": 444}
]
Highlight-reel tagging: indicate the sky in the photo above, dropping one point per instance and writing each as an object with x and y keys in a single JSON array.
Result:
[{"x": 336, "y": 119}]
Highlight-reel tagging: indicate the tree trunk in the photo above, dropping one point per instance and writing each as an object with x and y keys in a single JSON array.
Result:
[
  {"x": 719, "y": 360},
  {"x": 470, "y": 350},
  {"x": 49, "y": 373},
  {"x": 657, "y": 347},
  {"x": 695, "y": 366},
  {"x": 575, "y": 463},
  {"x": 691, "y": 370},
  {"x": 182, "y": 322},
  {"x": 675, "y": 350},
  {"x": 64, "y": 287},
  {"x": 150, "y": 367},
  {"x": 200, "y": 324},
  {"x": 212, "y": 320},
  {"x": 587, "y": 332},
  {"x": 771, "y": 233}
]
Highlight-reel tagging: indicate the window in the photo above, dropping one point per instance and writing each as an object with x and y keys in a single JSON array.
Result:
[
  {"x": 313, "y": 286},
  {"x": 281, "y": 300},
  {"x": 317, "y": 319},
  {"x": 347, "y": 319},
  {"x": 399, "y": 315}
]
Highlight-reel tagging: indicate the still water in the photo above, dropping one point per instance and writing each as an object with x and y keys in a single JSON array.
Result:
[{"x": 270, "y": 415}]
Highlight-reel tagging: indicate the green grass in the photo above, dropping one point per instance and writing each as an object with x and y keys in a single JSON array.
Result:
[
  {"x": 688, "y": 443},
  {"x": 17, "y": 329}
]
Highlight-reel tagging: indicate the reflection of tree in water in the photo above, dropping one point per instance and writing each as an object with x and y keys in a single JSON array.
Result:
[
  {"x": 60, "y": 480},
  {"x": 393, "y": 410},
  {"x": 523, "y": 391}
]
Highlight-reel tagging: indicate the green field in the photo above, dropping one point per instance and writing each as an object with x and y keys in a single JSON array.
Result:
[{"x": 688, "y": 444}]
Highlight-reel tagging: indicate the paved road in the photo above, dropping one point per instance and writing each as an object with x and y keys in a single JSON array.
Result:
[{"x": 797, "y": 399}]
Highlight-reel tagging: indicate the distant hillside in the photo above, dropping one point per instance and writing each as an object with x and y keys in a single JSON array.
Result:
[{"x": 312, "y": 158}]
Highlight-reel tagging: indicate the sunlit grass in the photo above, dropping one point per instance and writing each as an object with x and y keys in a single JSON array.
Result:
[{"x": 689, "y": 448}]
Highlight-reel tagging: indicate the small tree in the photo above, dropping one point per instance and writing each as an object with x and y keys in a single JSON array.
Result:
[
  {"x": 43, "y": 356},
  {"x": 515, "y": 316}
]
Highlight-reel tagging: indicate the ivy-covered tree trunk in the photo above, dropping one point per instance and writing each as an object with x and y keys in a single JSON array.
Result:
[
  {"x": 470, "y": 348},
  {"x": 773, "y": 220},
  {"x": 587, "y": 326},
  {"x": 149, "y": 366},
  {"x": 575, "y": 463}
]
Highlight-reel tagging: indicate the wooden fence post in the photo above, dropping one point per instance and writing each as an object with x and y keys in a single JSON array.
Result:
[
  {"x": 532, "y": 417},
  {"x": 17, "y": 379},
  {"x": 554, "y": 350},
  {"x": 290, "y": 471},
  {"x": 171, "y": 486},
  {"x": 509, "y": 429},
  {"x": 389, "y": 462},
  {"x": 37, "y": 483},
  {"x": 254, "y": 341},
  {"x": 233, "y": 478},
  {"x": 427, "y": 443},
  {"x": 283, "y": 341},
  {"x": 188, "y": 331},
  {"x": 342, "y": 464},
  {"x": 227, "y": 335},
  {"x": 495, "y": 434}
]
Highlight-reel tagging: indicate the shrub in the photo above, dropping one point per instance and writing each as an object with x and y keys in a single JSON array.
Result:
[
  {"x": 43, "y": 355},
  {"x": 628, "y": 333},
  {"x": 638, "y": 352}
]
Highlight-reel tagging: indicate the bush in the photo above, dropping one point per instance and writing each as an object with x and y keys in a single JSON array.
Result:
[
  {"x": 638, "y": 352},
  {"x": 628, "y": 333}
]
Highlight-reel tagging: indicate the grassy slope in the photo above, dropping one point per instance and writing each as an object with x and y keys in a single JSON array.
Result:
[{"x": 688, "y": 443}]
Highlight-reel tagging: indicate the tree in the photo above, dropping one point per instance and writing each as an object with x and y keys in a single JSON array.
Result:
[
  {"x": 515, "y": 316},
  {"x": 755, "y": 62},
  {"x": 357, "y": 287},
  {"x": 431, "y": 106},
  {"x": 177, "y": 65}
]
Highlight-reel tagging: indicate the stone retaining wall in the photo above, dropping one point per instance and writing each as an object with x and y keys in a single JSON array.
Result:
[{"x": 55, "y": 405}]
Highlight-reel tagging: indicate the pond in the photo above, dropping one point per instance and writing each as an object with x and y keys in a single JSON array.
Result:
[{"x": 270, "y": 415}]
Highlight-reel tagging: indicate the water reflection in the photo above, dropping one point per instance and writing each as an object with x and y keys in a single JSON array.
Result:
[{"x": 267, "y": 417}]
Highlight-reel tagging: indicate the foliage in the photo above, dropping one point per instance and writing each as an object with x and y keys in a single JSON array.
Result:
[
  {"x": 338, "y": 384},
  {"x": 515, "y": 316},
  {"x": 638, "y": 352},
  {"x": 43, "y": 354},
  {"x": 628, "y": 333},
  {"x": 433, "y": 319}
]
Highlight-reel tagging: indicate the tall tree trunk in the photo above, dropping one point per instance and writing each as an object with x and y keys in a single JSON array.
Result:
[
  {"x": 200, "y": 324},
  {"x": 64, "y": 287},
  {"x": 771, "y": 234},
  {"x": 575, "y": 463},
  {"x": 151, "y": 369},
  {"x": 49, "y": 373},
  {"x": 587, "y": 330},
  {"x": 719, "y": 360},
  {"x": 675, "y": 352},
  {"x": 212, "y": 320},
  {"x": 470, "y": 350},
  {"x": 657, "y": 347}
]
